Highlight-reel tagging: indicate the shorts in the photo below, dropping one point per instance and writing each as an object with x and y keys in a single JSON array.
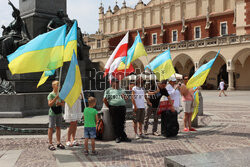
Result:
[
  {"x": 55, "y": 121},
  {"x": 139, "y": 115},
  {"x": 90, "y": 132},
  {"x": 188, "y": 106}
]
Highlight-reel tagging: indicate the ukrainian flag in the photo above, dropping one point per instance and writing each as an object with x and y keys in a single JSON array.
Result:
[
  {"x": 43, "y": 53},
  {"x": 197, "y": 103},
  {"x": 72, "y": 86},
  {"x": 45, "y": 76},
  {"x": 162, "y": 66},
  {"x": 201, "y": 74},
  {"x": 137, "y": 50},
  {"x": 70, "y": 43}
]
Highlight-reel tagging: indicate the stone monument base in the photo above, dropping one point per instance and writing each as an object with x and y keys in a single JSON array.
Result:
[{"x": 22, "y": 105}]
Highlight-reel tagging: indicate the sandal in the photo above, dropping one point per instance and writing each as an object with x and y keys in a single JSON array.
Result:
[
  {"x": 51, "y": 147},
  {"x": 94, "y": 152},
  {"x": 75, "y": 143},
  {"x": 60, "y": 146},
  {"x": 86, "y": 152}
]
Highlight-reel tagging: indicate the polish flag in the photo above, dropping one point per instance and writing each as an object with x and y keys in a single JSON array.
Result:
[{"x": 115, "y": 59}]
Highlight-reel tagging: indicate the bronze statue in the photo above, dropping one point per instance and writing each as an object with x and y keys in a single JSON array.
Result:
[
  {"x": 13, "y": 35},
  {"x": 60, "y": 20}
]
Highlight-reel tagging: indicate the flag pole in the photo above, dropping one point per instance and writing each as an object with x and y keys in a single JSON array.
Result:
[{"x": 125, "y": 70}]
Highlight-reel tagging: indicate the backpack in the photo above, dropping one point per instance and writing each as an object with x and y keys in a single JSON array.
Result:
[{"x": 99, "y": 129}]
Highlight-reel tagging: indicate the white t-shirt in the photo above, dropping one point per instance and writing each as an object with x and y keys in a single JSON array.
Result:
[
  {"x": 222, "y": 84},
  {"x": 139, "y": 96},
  {"x": 174, "y": 94}
]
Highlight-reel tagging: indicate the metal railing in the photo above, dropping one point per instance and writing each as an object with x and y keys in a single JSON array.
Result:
[{"x": 183, "y": 45}]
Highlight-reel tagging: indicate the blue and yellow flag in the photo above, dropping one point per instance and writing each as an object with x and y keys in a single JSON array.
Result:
[
  {"x": 162, "y": 66},
  {"x": 43, "y": 53},
  {"x": 70, "y": 43},
  {"x": 137, "y": 50},
  {"x": 72, "y": 86},
  {"x": 197, "y": 103},
  {"x": 45, "y": 76},
  {"x": 201, "y": 74}
]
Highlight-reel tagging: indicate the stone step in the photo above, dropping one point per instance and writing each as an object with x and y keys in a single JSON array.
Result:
[
  {"x": 229, "y": 158},
  {"x": 9, "y": 158}
]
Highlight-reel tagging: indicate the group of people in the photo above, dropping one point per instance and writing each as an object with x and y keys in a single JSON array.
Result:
[
  {"x": 71, "y": 115},
  {"x": 145, "y": 100}
]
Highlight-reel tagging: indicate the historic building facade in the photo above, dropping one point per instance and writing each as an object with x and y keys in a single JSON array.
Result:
[{"x": 193, "y": 30}]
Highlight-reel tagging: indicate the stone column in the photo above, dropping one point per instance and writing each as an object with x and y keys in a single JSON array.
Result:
[{"x": 231, "y": 80}]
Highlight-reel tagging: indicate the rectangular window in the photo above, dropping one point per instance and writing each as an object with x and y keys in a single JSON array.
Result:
[
  {"x": 174, "y": 36},
  {"x": 154, "y": 39},
  {"x": 223, "y": 28},
  {"x": 197, "y": 33},
  {"x": 98, "y": 43}
]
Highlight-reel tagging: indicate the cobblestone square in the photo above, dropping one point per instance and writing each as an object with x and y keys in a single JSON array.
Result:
[{"x": 225, "y": 125}]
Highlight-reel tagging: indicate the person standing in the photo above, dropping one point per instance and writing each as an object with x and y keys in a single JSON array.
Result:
[
  {"x": 114, "y": 99},
  {"x": 162, "y": 91},
  {"x": 222, "y": 87},
  {"x": 152, "y": 109},
  {"x": 188, "y": 104},
  {"x": 174, "y": 92},
  {"x": 138, "y": 96},
  {"x": 72, "y": 115},
  {"x": 90, "y": 118},
  {"x": 55, "y": 116}
]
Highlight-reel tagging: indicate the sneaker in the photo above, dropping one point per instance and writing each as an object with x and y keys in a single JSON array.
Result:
[
  {"x": 145, "y": 132},
  {"x": 156, "y": 134},
  {"x": 86, "y": 152},
  {"x": 142, "y": 136},
  {"x": 192, "y": 129},
  {"x": 186, "y": 130},
  {"x": 69, "y": 144},
  {"x": 75, "y": 143},
  {"x": 137, "y": 136},
  {"x": 118, "y": 140},
  {"x": 94, "y": 153},
  {"x": 126, "y": 140}
]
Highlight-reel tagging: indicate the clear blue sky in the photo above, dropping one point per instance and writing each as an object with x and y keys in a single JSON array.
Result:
[{"x": 85, "y": 11}]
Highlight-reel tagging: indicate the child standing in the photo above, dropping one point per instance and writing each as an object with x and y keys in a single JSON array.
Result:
[
  {"x": 90, "y": 119},
  {"x": 55, "y": 116}
]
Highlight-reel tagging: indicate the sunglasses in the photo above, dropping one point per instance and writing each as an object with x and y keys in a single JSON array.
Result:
[{"x": 185, "y": 78}]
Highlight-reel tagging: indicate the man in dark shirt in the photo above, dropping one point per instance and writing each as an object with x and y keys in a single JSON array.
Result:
[{"x": 155, "y": 93}]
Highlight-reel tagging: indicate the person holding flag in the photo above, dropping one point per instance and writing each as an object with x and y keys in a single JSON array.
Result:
[{"x": 188, "y": 104}]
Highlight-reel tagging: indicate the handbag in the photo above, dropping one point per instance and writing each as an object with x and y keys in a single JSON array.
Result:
[{"x": 57, "y": 110}]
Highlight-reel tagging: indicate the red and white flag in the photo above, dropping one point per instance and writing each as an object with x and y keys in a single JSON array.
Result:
[{"x": 116, "y": 57}]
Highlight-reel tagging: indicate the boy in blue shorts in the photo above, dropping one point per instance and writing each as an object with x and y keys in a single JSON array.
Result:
[{"x": 90, "y": 119}]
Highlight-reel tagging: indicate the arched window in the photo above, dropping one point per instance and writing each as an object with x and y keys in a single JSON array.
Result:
[
  {"x": 199, "y": 7},
  {"x": 172, "y": 13}
]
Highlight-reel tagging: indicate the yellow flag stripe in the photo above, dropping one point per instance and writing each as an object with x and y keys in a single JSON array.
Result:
[
  {"x": 76, "y": 89},
  {"x": 198, "y": 80},
  {"x": 71, "y": 45},
  {"x": 42, "y": 80},
  {"x": 196, "y": 108},
  {"x": 165, "y": 70},
  {"x": 37, "y": 61}
]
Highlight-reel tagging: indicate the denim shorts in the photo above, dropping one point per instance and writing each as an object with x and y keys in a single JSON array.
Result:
[{"x": 90, "y": 132}]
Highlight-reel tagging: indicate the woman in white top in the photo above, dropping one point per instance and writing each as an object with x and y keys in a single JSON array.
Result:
[
  {"x": 72, "y": 115},
  {"x": 222, "y": 88}
]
